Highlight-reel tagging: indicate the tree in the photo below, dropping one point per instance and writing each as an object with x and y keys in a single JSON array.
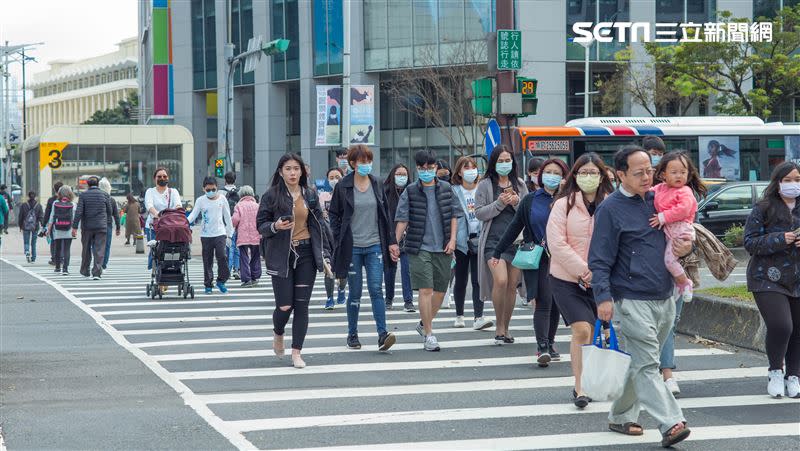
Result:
[
  {"x": 725, "y": 68},
  {"x": 439, "y": 91},
  {"x": 122, "y": 114}
]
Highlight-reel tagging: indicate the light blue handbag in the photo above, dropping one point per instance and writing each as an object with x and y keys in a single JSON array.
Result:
[{"x": 528, "y": 255}]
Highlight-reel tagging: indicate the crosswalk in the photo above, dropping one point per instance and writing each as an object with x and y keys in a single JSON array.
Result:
[{"x": 216, "y": 352}]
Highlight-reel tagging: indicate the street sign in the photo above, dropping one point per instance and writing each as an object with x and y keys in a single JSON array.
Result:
[
  {"x": 492, "y": 138},
  {"x": 251, "y": 61},
  {"x": 50, "y": 154},
  {"x": 509, "y": 50},
  {"x": 219, "y": 167}
]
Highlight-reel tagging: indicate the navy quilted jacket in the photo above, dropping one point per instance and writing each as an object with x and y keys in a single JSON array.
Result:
[{"x": 774, "y": 265}]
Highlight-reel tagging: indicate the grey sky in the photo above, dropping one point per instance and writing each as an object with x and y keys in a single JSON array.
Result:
[{"x": 70, "y": 29}]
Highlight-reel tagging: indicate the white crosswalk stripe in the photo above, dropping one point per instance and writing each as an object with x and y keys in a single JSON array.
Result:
[{"x": 216, "y": 352}]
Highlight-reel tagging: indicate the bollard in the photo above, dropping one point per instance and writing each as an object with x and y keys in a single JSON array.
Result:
[{"x": 139, "y": 239}]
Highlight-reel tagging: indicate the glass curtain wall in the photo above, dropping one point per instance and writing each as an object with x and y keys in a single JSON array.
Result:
[
  {"x": 595, "y": 11},
  {"x": 204, "y": 44},
  {"x": 285, "y": 25},
  {"x": 328, "y": 37}
]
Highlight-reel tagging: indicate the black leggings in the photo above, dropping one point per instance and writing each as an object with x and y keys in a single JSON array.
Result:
[
  {"x": 781, "y": 315},
  {"x": 62, "y": 250},
  {"x": 546, "y": 315},
  {"x": 294, "y": 291},
  {"x": 467, "y": 266}
]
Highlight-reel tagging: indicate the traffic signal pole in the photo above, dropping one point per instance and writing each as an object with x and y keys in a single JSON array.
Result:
[{"x": 506, "y": 81}]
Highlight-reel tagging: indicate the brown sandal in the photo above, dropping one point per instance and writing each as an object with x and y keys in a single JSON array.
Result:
[
  {"x": 626, "y": 428},
  {"x": 670, "y": 438}
]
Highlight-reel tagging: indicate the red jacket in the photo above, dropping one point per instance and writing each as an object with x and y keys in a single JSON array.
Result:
[{"x": 244, "y": 219}]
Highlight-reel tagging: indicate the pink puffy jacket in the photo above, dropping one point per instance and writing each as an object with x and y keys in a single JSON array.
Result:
[
  {"x": 568, "y": 239},
  {"x": 244, "y": 219}
]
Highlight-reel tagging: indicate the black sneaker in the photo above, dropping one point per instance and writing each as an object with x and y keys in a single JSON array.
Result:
[
  {"x": 508, "y": 339},
  {"x": 554, "y": 355},
  {"x": 385, "y": 341},
  {"x": 542, "y": 356},
  {"x": 57, "y": 270},
  {"x": 352, "y": 342},
  {"x": 388, "y": 304},
  {"x": 580, "y": 401},
  {"x": 409, "y": 306}
]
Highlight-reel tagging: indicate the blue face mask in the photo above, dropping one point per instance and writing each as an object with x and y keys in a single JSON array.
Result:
[
  {"x": 551, "y": 181},
  {"x": 400, "y": 180},
  {"x": 655, "y": 159},
  {"x": 504, "y": 168},
  {"x": 211, "y": 194},
  {"x": 344, "y": 165},
  {"x": 364, "y": 169},
  {"x": 426, "y": 175}
]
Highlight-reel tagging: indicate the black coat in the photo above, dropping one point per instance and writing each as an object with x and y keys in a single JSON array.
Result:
[
  {"x": 276, "y": 244},
  {"x": 340, "y": 215},
  {"x": 93, "y": 210},
  {"x": 25, "y": 208},
  {"x": 774, "y": 265}
]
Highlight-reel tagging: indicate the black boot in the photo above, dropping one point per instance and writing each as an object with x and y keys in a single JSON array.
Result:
[{"x": 542, "y": 355}]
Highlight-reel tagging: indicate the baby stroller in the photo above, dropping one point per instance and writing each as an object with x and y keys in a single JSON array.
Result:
[{"x": 171, "y": 254}]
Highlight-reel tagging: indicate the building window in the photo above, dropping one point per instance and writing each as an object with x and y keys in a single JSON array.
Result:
[
  {"x": 285, "y": 25},
  {"x": 241, "y": 32},
  {"x": 328, "y": 37},
  {"x": 769, "y": 8},
  {"x": 685, "y": 11},
  {"x": 595, "y": 11},
  {"x": 204, "y": 45}
]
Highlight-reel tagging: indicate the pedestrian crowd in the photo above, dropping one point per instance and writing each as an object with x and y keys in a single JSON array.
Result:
[{"x": 592, "y": 245}]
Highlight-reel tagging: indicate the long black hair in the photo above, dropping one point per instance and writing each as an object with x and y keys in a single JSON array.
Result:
[
  {"x": 278, "y": 186},
  {"x": 571, "y": 187},
  {"x": 771, "y": 203},
  {"x": 390, "y": 187},
  {"x": 491, "y": 171},
  {"x": 693, "y": 180}
]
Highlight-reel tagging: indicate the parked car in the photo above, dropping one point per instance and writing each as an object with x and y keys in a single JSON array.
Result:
[{"x": 728, "y": 204}]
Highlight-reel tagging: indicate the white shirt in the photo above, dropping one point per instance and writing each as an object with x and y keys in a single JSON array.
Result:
[
  {"x": 159, "y": 201},
  {"x": 216, "y": 216}
]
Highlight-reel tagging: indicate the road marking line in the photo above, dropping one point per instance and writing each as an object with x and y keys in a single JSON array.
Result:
[
  {"x": 236, "y": 438},
  {"x": 222, "y": 309},
  {"x": 479, "y": 413},
  {"x": 393, "y": 366},
  {"x": 580, "y": 440}
]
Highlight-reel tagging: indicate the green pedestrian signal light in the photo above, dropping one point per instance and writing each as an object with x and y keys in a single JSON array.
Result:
[{"x": 275, "y": 47}]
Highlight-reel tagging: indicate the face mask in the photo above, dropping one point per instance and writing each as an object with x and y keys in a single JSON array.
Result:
[
  {"x": 790, "y": 189},
  {"x": 344, "y": 165},
  {"x": 551, "y": 181},
  {"x": 588, "y": 183},
  {"x": 400, "y": 180},
  {"x": 655, "y": 159},
  {"x": 426, "y": 175},
  {"x": 504, "y": 168},
  {"x": 333, "y": 183},
  {"x": 470, "y": 175},
  {"x": 163, "y": 182},
  {"x": 211, "y": 194},
  {"x": 364, "y": 169}
]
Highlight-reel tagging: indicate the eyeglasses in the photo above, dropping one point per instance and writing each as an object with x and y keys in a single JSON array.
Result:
[
  {"x": 211, "y": 190},
  {"x": 585, "y": 173},
  {"x": 641, "y": 174}
]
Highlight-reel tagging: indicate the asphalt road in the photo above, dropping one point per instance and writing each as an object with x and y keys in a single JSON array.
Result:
[{"x": 129, "y": 372}]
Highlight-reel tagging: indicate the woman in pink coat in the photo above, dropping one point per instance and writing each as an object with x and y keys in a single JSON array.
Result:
[
  {"x": 248, "y": 238},
  {"x": 569, "y": 232}
]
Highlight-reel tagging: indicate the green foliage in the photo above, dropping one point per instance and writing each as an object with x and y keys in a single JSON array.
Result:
[
  {"x": 726, "y": 68},
  {"x": 122, "y": 114},
  {"x": 734, "y": 292},
  {"x": 734, "y": 236}
]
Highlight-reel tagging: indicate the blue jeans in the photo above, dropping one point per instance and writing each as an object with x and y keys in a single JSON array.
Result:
[
  {"x": 149, "y": 234},
  {"x": 109, "y": 237},
  {"x": 233, "y": 254},
  {"x": 668, "y": 350},
  {"x": 370, "y": 258},
  {"x": 389, "y": 274},
  {"x": 29, "y": 243}
]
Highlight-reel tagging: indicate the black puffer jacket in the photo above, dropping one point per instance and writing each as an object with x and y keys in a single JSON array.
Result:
[
  {"x": 93, "y": 211},
  {"x": 774, "y": 265},
  {"x": 341, "y": 216},
  {"x": 276, "y": 244}
]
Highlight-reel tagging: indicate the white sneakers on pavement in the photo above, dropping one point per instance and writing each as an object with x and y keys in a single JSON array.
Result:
[
  {"x": 431, "y": 344},
  {"x": 481, "y": 324},
  {"x": 459, "y": 322},
  {"x": 793, "y": 387},
  {"x": 776, "y": 385},
  {"x": 672, "y": 385}
]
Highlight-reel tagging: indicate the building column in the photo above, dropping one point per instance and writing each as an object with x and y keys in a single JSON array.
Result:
[
  {"x": 641, "y": 62},
  {"x": 317, "y": 157}
]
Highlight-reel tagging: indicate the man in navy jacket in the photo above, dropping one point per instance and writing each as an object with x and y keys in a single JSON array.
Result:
[{"x": 626, "y": 258}]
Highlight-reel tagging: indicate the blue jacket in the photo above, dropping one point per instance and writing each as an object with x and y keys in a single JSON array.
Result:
[
  {"x": 626, "y": 255},
  {"x": 3, "y": 210}
]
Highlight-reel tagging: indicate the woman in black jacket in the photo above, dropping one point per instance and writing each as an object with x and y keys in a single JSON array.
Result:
[
  {"x": 363, "y": 240},
  {"x": 772, "y": 237},
  {"x": 393, "y": 187},
  {"x": 298, "y": 245}
]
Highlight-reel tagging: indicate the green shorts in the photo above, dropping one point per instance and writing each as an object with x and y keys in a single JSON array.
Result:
[{"x": 430, "y": 270}]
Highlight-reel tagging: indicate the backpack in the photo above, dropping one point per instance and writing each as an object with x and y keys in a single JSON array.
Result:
[
  {"x": 62, "y": 215},
  {"x": 233, "y": 198},
  {"x": 30, "y": 220}
]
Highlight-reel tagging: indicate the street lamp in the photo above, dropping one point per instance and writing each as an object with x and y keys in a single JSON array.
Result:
[{"x": 587, "y": 45}]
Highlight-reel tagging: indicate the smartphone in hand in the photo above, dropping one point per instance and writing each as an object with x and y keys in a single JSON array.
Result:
[{"x": 285, "y": 218}]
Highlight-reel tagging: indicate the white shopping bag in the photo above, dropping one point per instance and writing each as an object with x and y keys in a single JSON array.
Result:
[{"x": 604, "y": 369}]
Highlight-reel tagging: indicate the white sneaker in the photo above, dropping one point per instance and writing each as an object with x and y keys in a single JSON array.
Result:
[
  {"x": 480, "y": 323},
  {"x": 776, "y": 386},
  {"x": 459, "y": 322},
  {"x": 793, "y": 387},
  {"x": 420, "y": 329},
  {"x": 431, "y": 344},
  {"x": 672, "y": 385}
]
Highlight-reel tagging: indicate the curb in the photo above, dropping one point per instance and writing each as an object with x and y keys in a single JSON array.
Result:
[{"x": 729, "y": 321}]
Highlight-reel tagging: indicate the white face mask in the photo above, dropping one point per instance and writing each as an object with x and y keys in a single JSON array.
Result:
[
  {"x": 333, "y": 183},
  {"x": 470, "y": 175}
]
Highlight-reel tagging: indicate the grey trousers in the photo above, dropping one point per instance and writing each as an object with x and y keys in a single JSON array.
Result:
[
  {"x": 94, "y": 249},
  {"x": 643, "y": 327}
]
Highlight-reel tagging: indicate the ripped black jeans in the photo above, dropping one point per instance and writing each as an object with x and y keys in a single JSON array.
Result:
[{"x": 294, "y": 291}]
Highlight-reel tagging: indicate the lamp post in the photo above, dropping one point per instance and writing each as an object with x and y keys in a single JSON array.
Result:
[{"x": 587, "y": 45}]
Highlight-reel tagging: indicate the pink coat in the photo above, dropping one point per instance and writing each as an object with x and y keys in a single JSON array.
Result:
[
  {"x": 568, "y": 239},
  {"x": 244, "y": 219},
  {"x": 675, "y": 204}
]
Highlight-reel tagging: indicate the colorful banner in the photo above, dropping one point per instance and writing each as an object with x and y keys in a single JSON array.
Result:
[
  {"x": 329, "y": 113},
  {"x": 161, "y": 38},
  {"x": 792, "y": 145},
  {"x": 362, "y": 114},
  {"x": 719, "y": 157}
]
